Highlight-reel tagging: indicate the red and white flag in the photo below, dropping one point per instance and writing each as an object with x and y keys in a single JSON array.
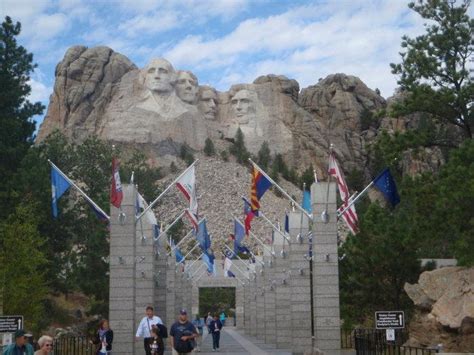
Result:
[
  {"x": 350, "y": 216},
  {"x": 187, "y": 185},
  {"x": 116, "y": 193}
]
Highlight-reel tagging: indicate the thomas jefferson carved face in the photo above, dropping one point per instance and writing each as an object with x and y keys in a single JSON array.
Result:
[
  {"x": 187, "y": 87},
  {"x": 160, "y": 76},
  {"x": 243, "y": 105},
  {"x": 208, "y": 103}
]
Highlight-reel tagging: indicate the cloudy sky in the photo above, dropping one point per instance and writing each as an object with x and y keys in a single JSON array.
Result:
[{"x": 224, "y": 42}]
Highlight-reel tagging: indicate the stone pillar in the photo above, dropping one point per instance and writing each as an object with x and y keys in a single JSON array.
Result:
[
  {"x": 170, "y": 291},
  {"x": 144, "y": 272},
  {"x": 269, "y": 299},
  {"x": 247, "y": 306},
  {"x": 260, "y": 303},
  {"x": 282, "y": 293},
  {"x": 239, "y": 305},
  {"x": 122, "y": 315},
  {"x": 253, "y": 303},
  {"x": 325, "y": 271},
  {"x": 195, "y": 300},
  {"x": 300, "y": 285},
  {"x": 160, "y": 280}
]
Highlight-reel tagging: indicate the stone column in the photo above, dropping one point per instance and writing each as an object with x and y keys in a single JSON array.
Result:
[
  {"x": 253, "y": 303},
  {"x": 325, "y": 271},
  {"x": 282, "y": 293},
  {"x": 269, "y": 299},
  {"x": 122, "y": 315},
  {"x": 170, "y": 291},
  {"x": 247, "y": 306},
  {"x": 239, "y": 305},
  {"x": 300, "y": 285},
  {"x": 160, "y": 280},
  {"x": 260, "y": 303},
  {"x": 144, "y": 272},
  {"x": 195, "y": 300}
]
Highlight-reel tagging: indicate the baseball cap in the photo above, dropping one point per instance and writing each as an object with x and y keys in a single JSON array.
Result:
[
  {"x": 183, "y": 311},
  {"x": 21, "y": 333}
]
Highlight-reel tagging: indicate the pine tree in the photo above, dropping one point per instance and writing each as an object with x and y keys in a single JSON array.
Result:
[
  {"x": 209, "y": 149},
  {"x": 238, "y": 149},
  {"x": 264, "y": 156},
  {"x": 16, "y": 126},
  {"x": 22, "y": 266},
  {"x": 434, "y": 72}
]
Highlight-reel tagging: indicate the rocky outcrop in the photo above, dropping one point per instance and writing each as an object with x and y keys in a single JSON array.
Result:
[
  {"x": 98, "y": 91},
  {"x": 84, "y": 85},
  {"x": 445, "y": 309}
]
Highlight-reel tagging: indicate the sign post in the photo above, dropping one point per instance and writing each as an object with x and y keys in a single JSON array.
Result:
[
  {"x": 9, "y": 325},
  {"x": 390, "y": 321}
]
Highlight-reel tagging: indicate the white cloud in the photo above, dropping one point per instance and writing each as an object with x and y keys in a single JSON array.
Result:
[
  {"x": 23, "y": 10},
  {"x": 39, "y": 91},
  {"x": 49, "y": 26},
  {"x": 149, "y": 24}
]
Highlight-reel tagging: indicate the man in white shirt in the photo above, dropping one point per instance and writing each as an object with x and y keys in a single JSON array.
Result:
[{"x": 144, "y": 328}]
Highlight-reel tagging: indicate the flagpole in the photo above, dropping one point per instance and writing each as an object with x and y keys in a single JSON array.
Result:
[
  {"x": 301, "y": 219},
  {"x": 357, "y": 197},
  {"x": 189, "y": 266},
  {"x": 261, "y": 214},
  {"x": 176, "y": 245},
  {"x": 192, "y": 249},
  {"x": 349, "y": 201},
  {"x": 79, "y": 189},
  {"x": 253, "y": 235},
  {"x": 324, "y": 215},
  {"x": 281, "y": 189},
  {"x": 238, "y": 268},
  {"x": 196, "y": 271},
  {"x": 166, "y": 190}
]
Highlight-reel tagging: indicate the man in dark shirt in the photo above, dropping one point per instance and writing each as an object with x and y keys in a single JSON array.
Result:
[
  {"x": 182, "y": 334},
  {"x": 21, "y": 345}
]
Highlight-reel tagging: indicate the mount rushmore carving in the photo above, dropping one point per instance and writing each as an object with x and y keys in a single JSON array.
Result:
[{"x": 100, "y": 92}]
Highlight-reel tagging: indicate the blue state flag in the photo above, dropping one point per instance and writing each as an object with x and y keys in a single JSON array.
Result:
[
  {"x": 239, "y": 232},
  {"x": 100, "y": 215},
  {"x": 202, "y": 236},
  {"x": 209, "y": 260},
  {"x": 307, "y": 201},
  {"x": 59, "y": 185},
  {"x": 177, "y": 253},
  {"x": 385, "y": 183}
]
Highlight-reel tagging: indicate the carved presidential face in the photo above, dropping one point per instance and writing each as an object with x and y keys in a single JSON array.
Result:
[
  {"x": 208, "y": 103},
  {"x": 160, "y": 76},
  {"x": 243, "y": 105},
  {"x": 187, "y": 87}
]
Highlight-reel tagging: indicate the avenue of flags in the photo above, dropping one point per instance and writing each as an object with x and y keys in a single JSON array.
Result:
[{"x": 260, "y": 184}]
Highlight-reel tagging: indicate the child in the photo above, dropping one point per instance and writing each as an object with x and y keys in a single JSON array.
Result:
[{"x": 156, "y": 342}]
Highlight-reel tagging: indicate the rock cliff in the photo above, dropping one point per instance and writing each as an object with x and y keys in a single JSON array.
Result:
[{"x": 444, "y": 299}]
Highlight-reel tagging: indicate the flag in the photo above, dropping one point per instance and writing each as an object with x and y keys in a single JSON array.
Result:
[
  {"x": 230, "y": 274},
  {"x": 116, "y": 193},
  {"x": 227, "y": 265},
  {"x": 59, "y": 185},
  {"x": 209, "y": 260},
  {"x": 140, "y": 206},
  {"x": 202, "y": 236},
  {"x": 100, "y": 215},
  {"x": 249, "y": 215},
  {"x": 350, "y": 216},
  {"x": 239, "y": 232},
  {"x": 385, "y": 183},
  {"x": 307, "y": 201},
  {"x": 177, "y": 253},
  {"x": 287, "y": 223},
  {"x": 187, "y": 185},
  {"x": 260, "y": 184}
]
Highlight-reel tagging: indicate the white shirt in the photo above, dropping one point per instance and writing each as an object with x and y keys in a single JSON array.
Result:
[{"x": 145, "y": 326}]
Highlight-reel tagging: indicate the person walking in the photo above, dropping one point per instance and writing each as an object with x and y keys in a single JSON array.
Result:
[
  {"x": 215, "y": 328},
  {"x": 20, "y": 346},
  {"x": 103, "y": 338},
  {"x": 199, "y": 324},
  {"x": 182, "y": 335},
  {"x": 208, "y": 322},
  {"x": 223, "y": 318},
  {"x": 144, "y": 328},
  {"x": 45, "y": 344},
  {"x": 156, "y": 345}
]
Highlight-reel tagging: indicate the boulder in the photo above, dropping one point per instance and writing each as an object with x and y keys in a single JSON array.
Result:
[{"x": 444, "y": 299}]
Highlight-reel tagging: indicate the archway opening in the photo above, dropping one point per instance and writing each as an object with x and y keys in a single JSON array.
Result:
[{"x": 216, "y": 300}]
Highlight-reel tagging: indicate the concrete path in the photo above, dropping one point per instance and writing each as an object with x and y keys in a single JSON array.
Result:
[{"x": 234, "y": 342}]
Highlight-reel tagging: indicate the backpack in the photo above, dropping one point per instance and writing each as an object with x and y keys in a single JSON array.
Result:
[
  {"x": 162, "y": 330},
  {"x": 184, "y": 346}
]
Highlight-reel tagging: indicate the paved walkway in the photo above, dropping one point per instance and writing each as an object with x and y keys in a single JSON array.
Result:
[{"x": 234, "y": 342}]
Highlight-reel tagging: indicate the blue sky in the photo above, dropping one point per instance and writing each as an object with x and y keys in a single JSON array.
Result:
[{"x": 223, "y": 42}]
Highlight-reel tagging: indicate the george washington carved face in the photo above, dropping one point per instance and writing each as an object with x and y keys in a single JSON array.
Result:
[{"x": 160, "y": 76}]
